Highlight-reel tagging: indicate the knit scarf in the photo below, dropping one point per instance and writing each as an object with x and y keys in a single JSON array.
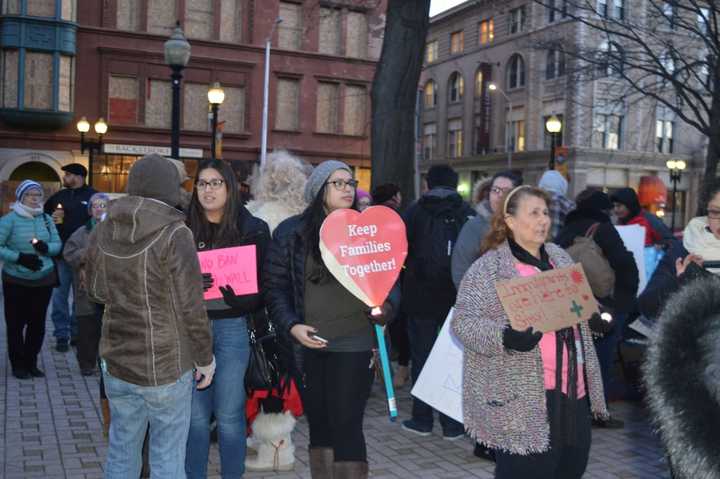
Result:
[
  {"x": 26, "y": 211},
  {"x": 563, "y": 419}
]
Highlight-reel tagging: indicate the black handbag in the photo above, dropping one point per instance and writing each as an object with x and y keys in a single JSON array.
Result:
[{"x": 262, "y": 371}]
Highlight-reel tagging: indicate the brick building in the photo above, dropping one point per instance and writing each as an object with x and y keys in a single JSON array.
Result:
[
  {"x": 607, "y": 143},
  {"x": 61, "y": 60}
]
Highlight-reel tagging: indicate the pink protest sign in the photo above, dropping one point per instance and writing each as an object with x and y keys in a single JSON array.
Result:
[{"x": 236, "y": 267}]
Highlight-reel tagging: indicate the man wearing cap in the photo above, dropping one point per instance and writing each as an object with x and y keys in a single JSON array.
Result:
[{"x": 69, "y": 210}]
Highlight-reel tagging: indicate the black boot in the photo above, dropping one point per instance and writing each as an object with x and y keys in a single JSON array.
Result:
[{"x": 21, "y": 373}]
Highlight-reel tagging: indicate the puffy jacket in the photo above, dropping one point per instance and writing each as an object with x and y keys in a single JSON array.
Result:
[
  {"x": 74, "y": 253},
  {"x": 467, "y": 246},
  {"x": 16, "y": 233},
  {"x": 142, "y": 265},
  {"x": 75, "y": 204}
]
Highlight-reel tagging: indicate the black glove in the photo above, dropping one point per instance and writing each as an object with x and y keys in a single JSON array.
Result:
[
  {"x": 693, "y": 272},
  {"x": 40, "y": 246},
  {"x": 386, "y": 314},
  {"x": 30, "y": 261},
  {"x": 522, "y": 341},
  {"x": 208, "y": 281},
  {"x": 230, "y": 298},
  {"x": 599, "y": 325}
]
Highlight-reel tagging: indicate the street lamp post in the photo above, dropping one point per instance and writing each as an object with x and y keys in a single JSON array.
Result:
[
  {"x": 676, "y": 168},
  {"x": 554, "y": 126},
  {"x": 266, "y": 93},
  {"x": 216, "y": 96},
  {"x": 177, "y": 55},
  {"x": 92, "y": 146},
  {"x": 494, "y": 87}
]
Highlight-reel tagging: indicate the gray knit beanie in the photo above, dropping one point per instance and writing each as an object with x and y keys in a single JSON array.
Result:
[
  {"x": 153, "y": 176},
  {"x": 320, "y": 175}
]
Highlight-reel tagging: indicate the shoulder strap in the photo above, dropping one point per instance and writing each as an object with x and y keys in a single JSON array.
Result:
[{"x": 590, "y": 233}]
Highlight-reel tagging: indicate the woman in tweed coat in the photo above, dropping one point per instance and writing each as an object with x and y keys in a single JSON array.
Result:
[{"x": 510, "y": 399}]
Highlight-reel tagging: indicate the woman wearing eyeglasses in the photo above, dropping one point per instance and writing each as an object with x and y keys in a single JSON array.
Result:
[
  {"x": 332, "y": 331},
  {"x": 219, "y": 220}
]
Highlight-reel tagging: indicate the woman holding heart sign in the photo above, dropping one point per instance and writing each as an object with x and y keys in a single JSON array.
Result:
[{"x": 332, "y": 330}]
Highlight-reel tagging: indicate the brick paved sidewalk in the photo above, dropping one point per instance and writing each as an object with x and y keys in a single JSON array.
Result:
[{"x": 51, "y": 428}]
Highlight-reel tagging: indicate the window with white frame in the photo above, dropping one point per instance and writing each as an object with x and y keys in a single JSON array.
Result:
[
  {"x": 611, "y": 60},
  {"x": 517, "y": 135},
  {"x": 607, "y": 131},
  {"x": 456, "y": 88},
  {"x": 515, "y": 72},
  {"x": 556, "y": 10},
  {"x": 516, "y": 20},
  {"x": 457, "y": 42},
  {"x": 431, "y": 51},
  {"x": 430, "y": 94},
  {"x": 429, "y": 140},
  {"x": 455, "y": 138},
  {"x": 664, "y": 130}
]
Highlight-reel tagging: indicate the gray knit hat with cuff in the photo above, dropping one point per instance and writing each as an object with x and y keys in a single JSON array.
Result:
[{"x": 320, "y": 175}]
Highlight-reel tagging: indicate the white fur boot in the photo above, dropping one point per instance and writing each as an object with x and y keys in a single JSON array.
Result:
[{"x": 275, "y": 449}]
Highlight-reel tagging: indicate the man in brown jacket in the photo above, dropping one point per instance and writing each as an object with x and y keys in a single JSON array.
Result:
[{"x": 143, "y": 267}]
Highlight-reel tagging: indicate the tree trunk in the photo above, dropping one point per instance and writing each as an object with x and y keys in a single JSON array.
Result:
[{"x": 394, "y": 93}]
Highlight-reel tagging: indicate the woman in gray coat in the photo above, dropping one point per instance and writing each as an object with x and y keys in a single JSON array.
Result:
[{"x": 527, "y": 395}]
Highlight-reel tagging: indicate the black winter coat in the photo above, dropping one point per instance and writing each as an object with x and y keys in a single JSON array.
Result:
[
  {"x": 284, "y": 280},
  {"x": 577, "y": 223},
  {"x": 75, "y": 202}
]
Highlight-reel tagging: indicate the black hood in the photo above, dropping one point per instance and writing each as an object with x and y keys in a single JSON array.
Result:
[
  {"x": 682, "y": 374},
  {"x": 629, "y": 198},
  {"x": 440, "y": 199},
  {"x": 584, "y": 214}
]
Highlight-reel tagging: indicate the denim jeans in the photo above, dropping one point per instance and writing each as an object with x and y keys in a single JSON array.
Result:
[
  {"x": 63, "y": 314},
  {"x": 606, "y": 348},
  {"x": 225, "y": 399},
  {"x": 166, "y": 409},
  {"x": 422, "y": 333}
]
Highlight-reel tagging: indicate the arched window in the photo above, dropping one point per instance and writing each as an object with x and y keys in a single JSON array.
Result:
[
  {"x": 456, "y": 87},
  {"x": 430, "y": 94},
  {"x": 611, "y": 61},
  {"x": 515, "y": 72},
  {"x": 555, "y": 64}
]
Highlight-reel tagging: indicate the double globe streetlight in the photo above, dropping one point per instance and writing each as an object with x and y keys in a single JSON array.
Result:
[{"x": 101, "y": 128}]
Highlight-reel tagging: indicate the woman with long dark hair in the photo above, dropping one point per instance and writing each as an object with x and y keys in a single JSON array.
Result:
[
  {"x": 219, "y": 220},
  {"x": 331, "y": 330}
]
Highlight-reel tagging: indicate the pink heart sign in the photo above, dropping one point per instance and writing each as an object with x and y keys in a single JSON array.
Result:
[{"x": 365, "y": 251}]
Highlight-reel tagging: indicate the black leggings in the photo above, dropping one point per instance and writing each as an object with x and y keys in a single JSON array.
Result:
[
  {"x": 399, "y": 339},
  {"x": 25, "y": 310},
  {"x": 561, "y": 462},
  {"x": 337, "y": 387}
]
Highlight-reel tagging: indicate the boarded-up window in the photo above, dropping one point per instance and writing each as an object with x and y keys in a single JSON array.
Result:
[
  {"x": 199, "y": 18},
  {"x": 329, "y": 41},
  {"x": 288, "y": 99},
  {"x": 11, "y": 7},
  {"x": 231, "y": 21},
  {"x": 66, "y": 88},
  {"x": 290, "y": 30},
  {"x": 158, "y": 104},
  {"x": 354, "y": 114},
  {"x": 41, "y": 8},
  {"x": 38, "y": 80},
  {"x": 232, "y": 111},
  {"x": 68, "y": 11},
  {"x": 195, "y": 107},
  {"x": 122, "y": 100},
  {"x": 128, "y": 15},
  {"x": 327, "y": 107},
  {"x": 162, "y": 15},
  {"x": 10, "y": 62},
  {"x": 356, "y": 45}
]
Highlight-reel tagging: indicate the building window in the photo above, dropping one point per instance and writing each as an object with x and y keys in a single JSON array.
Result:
[
  {"x": 547, "y": 142},
  {"x": 66, "y": 90},
  {"x": 195, "y": 107},
  {"x": 515, "y": 72},
  {"x": 232, "y": 111},
  {"x": 328, "y": 100},
  {"x": 619, "y": 9},
  {"x": 329, "y": 39},
  {"x": 287, "y": 115},
  {"x": 199, "y": 19},
  {"x": 664, "y": 129},
  {"x": 602, "y": 8},
  {"x": 517, "y": 135},
  {"x": 429, "y": 140},
  {"x": 456, "y": 87},
  {"x": 455, "y": 138},
  {"x": 38, "y": 81},
  {"x": 556, "y": 9},
  {"x": 40, "y": 8},
  {"x": 607, "y": 131},
  {"x": 122, "y": 100},
  {"x": 516, "y": 20},
  {"x": 158, "y": 103},
  {"x": 430, "y": 94},
  {"x": 290, "y": 30},
  {"x": 354, "y": 110},
  {"x": 457, "y": 42},
  {"x": 478, "y": 84},
  {"x": 161, "y": 16},
  {"x": 703, "y": 17},
  {"x": 669, "y": 12},
  {"x": 554, "y": 64},
  {"x": 128, "y": 15},
  {"x": 356, "y": 42},
  {"x": 9, "y": 68},
  {"x": 611, "y": 61},
  {"x": 431, "y": 51},
  {"x": 486, "y": 31},
  {"x": 231, "y": 21}
]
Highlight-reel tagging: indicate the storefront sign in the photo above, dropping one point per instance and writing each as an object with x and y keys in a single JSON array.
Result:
[{"x": 141, "y": 150}]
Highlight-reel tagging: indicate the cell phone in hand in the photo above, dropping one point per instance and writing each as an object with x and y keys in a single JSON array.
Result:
[{"x": 317, "y": 338}]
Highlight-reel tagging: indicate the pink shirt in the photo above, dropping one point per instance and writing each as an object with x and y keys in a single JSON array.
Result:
[{"x": 548, "y": 350}]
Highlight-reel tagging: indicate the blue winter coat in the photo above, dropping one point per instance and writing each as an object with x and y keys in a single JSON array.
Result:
[{"x": 16, "y": 234}]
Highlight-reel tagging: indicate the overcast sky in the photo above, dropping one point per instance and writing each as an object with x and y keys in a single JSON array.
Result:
[{"x": 437, "y": 6}]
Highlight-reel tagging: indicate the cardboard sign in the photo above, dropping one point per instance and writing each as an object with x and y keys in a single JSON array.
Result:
[
  {"x": 548, "y": 301},
  {"x": 236, "y": 267},
  {"x": 364, "y": 251},
  {"x": 440, "y": 382}
]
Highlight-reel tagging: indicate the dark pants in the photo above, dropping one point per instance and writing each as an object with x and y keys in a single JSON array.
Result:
[
  {"x": 399, "y": 339},
  {"x": 422, "y": 333},
  {"x": 561, "y": 461},
  {"x": 606, "y": 348},
  {"x": 337, "y": 387},
  {"x": 88, "y": 339},
  {"x": 25, "y": 310}
]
